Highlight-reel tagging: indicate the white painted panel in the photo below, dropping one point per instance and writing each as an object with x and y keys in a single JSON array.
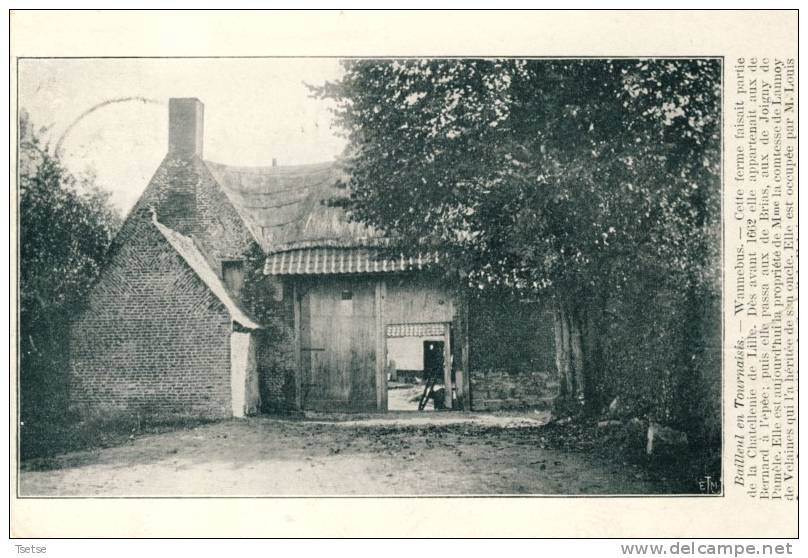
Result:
[
  {"x": 239, "y": 360},
  {"x": 408, "y": 352}
]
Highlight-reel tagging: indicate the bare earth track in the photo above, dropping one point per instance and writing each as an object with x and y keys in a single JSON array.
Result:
[{"x": 394, "y": 454}]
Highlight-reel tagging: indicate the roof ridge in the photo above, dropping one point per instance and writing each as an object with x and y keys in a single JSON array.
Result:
[
  {"x": 304, "y": 168},
  {"x": 333, "y": 243}
]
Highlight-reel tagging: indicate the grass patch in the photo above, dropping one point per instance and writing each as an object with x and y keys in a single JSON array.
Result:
[{"x": 679, "y": 473}]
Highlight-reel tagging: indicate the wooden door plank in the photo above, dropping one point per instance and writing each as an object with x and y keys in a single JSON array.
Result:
[
  {"x": 381, "y": 377},
  {"x": 464, "y": 354},
  {"x": 298, "y": 360}
]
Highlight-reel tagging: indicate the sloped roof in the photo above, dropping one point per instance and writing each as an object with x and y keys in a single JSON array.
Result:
[
  {"x": 286, "y": 207},
  {"x": 185, "y": 247}
]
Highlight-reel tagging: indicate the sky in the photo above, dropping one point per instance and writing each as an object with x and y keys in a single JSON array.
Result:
[{"x": 255, "y": 110}]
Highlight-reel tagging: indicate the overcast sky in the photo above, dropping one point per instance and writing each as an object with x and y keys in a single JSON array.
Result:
[{"x": 255, "y": 110}]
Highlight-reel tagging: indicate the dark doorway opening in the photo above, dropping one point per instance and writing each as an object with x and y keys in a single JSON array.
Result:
[
  {"x": 433, "y": 359},
  {"x": 434, "y": 393},
  {"x": 417, "y": 357}
]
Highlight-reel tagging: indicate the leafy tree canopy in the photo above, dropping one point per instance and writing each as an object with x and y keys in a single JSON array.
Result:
[
  {"x": 66, "y": 225},
  {"x": 538, "y": 175}
]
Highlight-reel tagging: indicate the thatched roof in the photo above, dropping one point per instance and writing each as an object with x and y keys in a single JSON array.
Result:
[{"x": 286, "y": 207}]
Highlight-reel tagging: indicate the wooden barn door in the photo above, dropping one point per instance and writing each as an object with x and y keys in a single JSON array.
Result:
[{"x": 338, "y": 345}]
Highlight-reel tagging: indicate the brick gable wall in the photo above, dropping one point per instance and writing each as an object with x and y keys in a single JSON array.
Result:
[
  {"x": 152, "y": 339},
  {"x": 188, "y": 199}
]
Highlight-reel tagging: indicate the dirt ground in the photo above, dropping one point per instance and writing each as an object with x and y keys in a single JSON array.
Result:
[
  {"x": 405, "y": 397},
  {"x": 393, "y": 454}
]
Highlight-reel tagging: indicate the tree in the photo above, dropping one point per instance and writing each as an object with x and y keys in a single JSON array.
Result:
[
  {"x": 569, "y": 179},
  {"x": 65, "y": 227}
]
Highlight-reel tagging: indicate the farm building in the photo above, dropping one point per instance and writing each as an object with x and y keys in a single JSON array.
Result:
[{"x": 168, "y": 328}]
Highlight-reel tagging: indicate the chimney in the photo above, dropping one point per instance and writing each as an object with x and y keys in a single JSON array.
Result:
[
  {"x": 185, "y": 126},
  {"x": 274, "y": 162}
]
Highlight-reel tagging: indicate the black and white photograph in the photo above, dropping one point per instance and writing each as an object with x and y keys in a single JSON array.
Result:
[{"x": 353, "y": 276}]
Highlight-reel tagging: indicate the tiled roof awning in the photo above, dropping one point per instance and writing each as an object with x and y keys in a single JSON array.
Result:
[
  {"x": 416, "y": 330},
  {"x": 321, "y": 261}
]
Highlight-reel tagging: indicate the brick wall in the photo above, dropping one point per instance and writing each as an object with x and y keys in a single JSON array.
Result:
[
  {"x": 152, "y": 339},
  {"x": 511, "y": 355},
  {"x": 221, "y": 232},
  {"x": 507, "y": 388},
  {"x": 189, "y": 200}
]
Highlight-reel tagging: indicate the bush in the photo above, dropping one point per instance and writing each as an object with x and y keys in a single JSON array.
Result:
[{"x": 66, "y": 227}]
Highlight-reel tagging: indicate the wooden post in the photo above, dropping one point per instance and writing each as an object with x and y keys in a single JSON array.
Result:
[
  {"x": 298, "y": 360},
  {"x": 465, "y": 380},
  {"x": 381, "y": 348},
  {"x": 447, "y": 365},
  {"x": 457, "y": 354}
]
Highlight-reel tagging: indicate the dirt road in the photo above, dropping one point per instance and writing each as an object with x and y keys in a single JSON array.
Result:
[{"x": 447, "y": 453}]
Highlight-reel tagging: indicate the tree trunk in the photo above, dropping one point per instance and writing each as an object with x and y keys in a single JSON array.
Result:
[
  {"x": 579, "y": 354},
  {"x": 570, "y": 355},
  {"x": 579, "y": 362},
  {"x": 563, "y": 353}
]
